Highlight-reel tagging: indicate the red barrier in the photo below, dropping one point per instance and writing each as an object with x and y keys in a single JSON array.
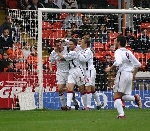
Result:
[{"x": 13, "y": 83}]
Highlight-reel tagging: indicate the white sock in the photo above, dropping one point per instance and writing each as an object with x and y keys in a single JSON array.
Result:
[
  {"x": 69, "y": 99},
  {"x": 96, "y": 97},
  {"x": 84, "y": 99},
  {"x": 89, "y": 97},
  {"x": 62, "y": 100},
  {"x": 118, "y": 105},
  {"x": 128, "y": 98}
]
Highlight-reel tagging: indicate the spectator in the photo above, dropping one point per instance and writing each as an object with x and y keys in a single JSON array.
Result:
[
  {"x": 3, "y": 4},
  {"x": 18, "y": 54},
  {"x": 148, "y": 65},
  {"x": 10, "y": 67},
  {"x": 79, "y": 41},
  {"x": 130, "y": 38},
  {"x": 108, "y": 21},
  {"x": 32, "y": 18},
  {"x": 70, "y": 3},
  {"x": 32, "y": 59},
  {"x": 68, "y": 36},
  {"x": 75, "y": 31},
  {"x": 102, "y": 35},
  {"x": 93, "y": 17},
  {"x": 26, "y": 50},
  {"x": 4, "y": 62},
  {"x": 51, "y": 16},
  {"x": 86, "y": 28},
  {"x": 14, "y": 32},
  {"x": 22, "y": 4},
  {"x": 35, "y": 4},
  {"x": 101, "y": 78},
  {"x": 6, "y": 41},
  {"x": 88, "y": 35},
  {"x": 142, "y": 42},
  {"x": 72, "y": 18},
  {"x": 112, "y": 48},
  {"x": 60, "y": 4},
  {"x": 112, "y": 35},
  {"x": 111, "y": 75}
]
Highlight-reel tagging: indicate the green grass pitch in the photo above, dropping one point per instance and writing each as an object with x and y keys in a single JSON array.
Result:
[{"x": 74, "y": 120}]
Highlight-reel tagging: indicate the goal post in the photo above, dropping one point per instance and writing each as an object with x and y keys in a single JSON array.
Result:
[{"x": 48, "y": 10}]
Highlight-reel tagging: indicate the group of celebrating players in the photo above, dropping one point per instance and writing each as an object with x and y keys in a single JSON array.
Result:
[{"x": 75, "y": 68}]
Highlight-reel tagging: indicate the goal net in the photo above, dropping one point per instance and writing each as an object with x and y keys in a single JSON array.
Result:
[{"x": 39, "y": 29}]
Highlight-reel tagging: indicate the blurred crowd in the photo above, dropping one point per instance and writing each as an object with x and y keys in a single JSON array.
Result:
[{"x": 101, "y": 29}]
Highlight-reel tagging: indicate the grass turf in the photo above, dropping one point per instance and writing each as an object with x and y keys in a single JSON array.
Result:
[{"x": 94, "y": 120}]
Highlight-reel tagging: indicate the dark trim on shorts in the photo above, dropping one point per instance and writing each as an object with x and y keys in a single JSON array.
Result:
[
  {"x": 86, "y": 65},
  {"x": 119, "y": 79},
  {"x": 90, "y": 73}
]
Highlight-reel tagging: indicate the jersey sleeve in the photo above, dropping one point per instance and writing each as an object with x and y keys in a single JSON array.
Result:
[
  {"x": 85, "y": 56},
  {"x": 134, "y": 61},
  {"x": 118, "y": 59},
  {"x": 70, "y": 56}
]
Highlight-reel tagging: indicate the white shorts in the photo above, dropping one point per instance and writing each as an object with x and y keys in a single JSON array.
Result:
[
  {"x": 76, "y": 76},
  {"x": 90, "y": 76},
  {"x": 123, "y": 82},
  {"x": 62, "y": 77}
]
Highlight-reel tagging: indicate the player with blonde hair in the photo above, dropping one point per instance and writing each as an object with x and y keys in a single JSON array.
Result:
[{"x": 86, "y": 58}]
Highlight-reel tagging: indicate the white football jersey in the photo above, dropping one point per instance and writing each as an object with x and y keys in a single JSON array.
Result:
[
  {"x": 125, "y": 60},
  {"x": 86, "y": 59},
  {"x": 62, "y": 65},
  {"x": 72, "y": 57}
]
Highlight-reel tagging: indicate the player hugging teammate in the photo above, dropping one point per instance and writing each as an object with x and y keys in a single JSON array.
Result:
[{"x": 75, "y": 67}]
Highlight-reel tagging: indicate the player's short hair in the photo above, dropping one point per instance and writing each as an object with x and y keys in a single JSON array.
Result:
[
  {"x": 86, "y": 40},
  {"x": 74, "y": 41},
  {"x": 122, "y": 40},
  {"x": 57, "y": 41}
]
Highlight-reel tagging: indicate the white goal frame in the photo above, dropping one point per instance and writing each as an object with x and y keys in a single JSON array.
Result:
[{"x": 49, "y": 10}]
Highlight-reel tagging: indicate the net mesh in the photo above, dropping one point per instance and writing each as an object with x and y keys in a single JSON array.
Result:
[{"x": 102, "y": 29}]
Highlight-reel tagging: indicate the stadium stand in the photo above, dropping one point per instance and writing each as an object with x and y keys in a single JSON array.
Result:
[{"x": 26, "y": 21}]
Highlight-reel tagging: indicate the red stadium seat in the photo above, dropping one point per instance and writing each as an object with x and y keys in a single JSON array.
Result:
[
  {"x": 63, "y": 16},
  {"x": 106, "y": 46},
  {"x": 100, "y": 55},
  {"x": 21, "y": 65},
  {"x": 46, "y": 33},
  {"x": 140, "y": 56},
  {"x": 46, "y": 25},
  {"x": 98, "y": 47},
  {"x": 111, "y": 54},
  {"x": 147, "y": 56},
  {"x": 145, "y": 25},
  {"x": 12, "y": 4},
  {"x": 56, "y": 35},
  {"x": 57, "y": 25},
  {"x": 112, "y": 36},
  {"x": 129, "y": 48}
]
